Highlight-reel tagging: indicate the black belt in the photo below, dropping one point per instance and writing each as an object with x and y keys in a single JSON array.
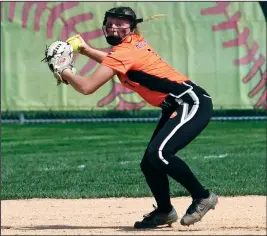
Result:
[{"x": 175, "y": 100}]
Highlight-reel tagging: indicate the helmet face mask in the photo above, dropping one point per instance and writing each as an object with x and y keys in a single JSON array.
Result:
[
  {"x": 115, "y": 35},
  {"x": 122, "y": 13}
]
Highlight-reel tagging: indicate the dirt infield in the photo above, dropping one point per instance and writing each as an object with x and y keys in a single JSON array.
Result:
[{"x": 116, "y": 216}]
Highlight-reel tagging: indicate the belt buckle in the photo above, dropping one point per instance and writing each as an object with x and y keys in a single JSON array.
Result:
[{"x": 179, "y": 101}]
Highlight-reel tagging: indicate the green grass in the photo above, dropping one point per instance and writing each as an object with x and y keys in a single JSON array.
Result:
[{"x": 102, "y": 160}]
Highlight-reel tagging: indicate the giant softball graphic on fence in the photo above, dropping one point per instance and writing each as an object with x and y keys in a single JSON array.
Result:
[{"x": 216, "y": 44}]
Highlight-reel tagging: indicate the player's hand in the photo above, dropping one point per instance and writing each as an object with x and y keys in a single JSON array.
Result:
[
  {"x": 83, "y": 44},
  {"x": 78, "y": 44}
]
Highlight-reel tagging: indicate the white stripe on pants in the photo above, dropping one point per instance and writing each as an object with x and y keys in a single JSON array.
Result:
[{"x": 184, "y": 118}]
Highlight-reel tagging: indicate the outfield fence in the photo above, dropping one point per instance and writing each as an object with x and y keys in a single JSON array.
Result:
[
  {"x": 29, "y": 117},
  {"x": 220, "y": 46}
]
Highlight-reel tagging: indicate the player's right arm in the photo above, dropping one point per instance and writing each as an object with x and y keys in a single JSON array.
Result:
[{"x": 92, "y": 53}]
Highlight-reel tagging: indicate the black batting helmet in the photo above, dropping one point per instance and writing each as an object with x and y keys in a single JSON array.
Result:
[{"x": 125, "y": 13}]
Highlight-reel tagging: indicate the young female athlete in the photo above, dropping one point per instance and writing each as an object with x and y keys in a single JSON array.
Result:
[{"x": 186, "y": 111}]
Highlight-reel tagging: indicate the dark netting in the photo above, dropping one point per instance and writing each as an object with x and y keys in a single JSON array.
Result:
[{"x": 115, "y": 116}]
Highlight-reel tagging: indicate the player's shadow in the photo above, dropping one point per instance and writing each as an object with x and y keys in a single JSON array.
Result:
[
  {"x": 59, "y": 227},
  {"x": 130, "y": 228}
]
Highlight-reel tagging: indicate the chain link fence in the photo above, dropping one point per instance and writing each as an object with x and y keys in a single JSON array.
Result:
[{"x": 31, "y": 117}]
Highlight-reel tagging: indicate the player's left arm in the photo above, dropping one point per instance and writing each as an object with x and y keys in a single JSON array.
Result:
[{"x": 90, "y": 84}]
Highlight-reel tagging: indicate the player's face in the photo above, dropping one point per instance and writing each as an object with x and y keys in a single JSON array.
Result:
[{"x": 117, "y": 27}]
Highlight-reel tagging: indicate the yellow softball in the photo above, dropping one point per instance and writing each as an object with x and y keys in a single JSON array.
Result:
[{"x": 75, "y": 43}]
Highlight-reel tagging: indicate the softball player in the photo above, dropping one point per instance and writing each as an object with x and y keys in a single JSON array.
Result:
[{"x": 186, "y": 111}]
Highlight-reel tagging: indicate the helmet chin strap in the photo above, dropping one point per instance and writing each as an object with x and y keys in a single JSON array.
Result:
[{"x": 116, "y": 39}]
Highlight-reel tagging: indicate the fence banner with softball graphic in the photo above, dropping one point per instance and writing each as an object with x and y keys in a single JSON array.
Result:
[{"x": 219, "y": 45}]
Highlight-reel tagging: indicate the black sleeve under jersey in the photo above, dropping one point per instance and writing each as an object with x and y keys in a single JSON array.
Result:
[{"x": 162, "y": 85}]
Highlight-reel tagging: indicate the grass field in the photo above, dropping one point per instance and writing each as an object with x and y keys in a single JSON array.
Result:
[{"x": 102, "y": 160}]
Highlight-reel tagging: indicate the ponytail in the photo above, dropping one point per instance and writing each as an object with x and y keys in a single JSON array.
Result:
[
  {"x": 137, "y": 30},
  {"x": 154, "y": 17}
]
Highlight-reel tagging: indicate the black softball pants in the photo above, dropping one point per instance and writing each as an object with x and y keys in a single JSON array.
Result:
[{"x": 173, "y": 133}]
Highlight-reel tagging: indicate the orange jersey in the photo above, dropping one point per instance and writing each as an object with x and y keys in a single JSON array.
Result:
[{"x": 143, "y": 71}]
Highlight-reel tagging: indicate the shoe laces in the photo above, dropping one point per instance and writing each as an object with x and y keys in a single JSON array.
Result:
[
  {"x": 193, "y": 207},
  {"x": 155, "y": 211}
]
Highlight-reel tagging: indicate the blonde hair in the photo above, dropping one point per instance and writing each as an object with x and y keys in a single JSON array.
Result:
[
  {"x": 154, "y": 17},
  {"x": 137, "y": 31}
]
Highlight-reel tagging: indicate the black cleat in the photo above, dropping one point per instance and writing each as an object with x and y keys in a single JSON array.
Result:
[{"x": 156, "y": 218}]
